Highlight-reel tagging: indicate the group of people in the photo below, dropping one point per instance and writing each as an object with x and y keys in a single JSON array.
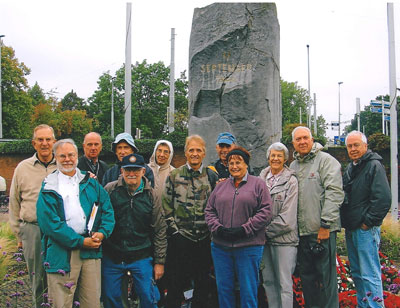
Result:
[{"x": 83, "y": 226}]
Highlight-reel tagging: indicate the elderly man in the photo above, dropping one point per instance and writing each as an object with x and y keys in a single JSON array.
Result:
[
  {"x": 24, "y": 190},
  {"x": 367, "y": 201},
  {"x": 139, "y": 236},
  {"x": 75, "y": 215},
  {"x": 122, "y": 146},
  {"x": 320, "y": 198},
  {"x": 184, "y": 200},
  {"x": 92, "y": 146}
]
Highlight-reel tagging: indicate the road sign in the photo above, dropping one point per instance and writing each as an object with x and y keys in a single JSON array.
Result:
[
  {"x": 379, "y": 110},
  {"x": 379, "y": 104},
  {"x": 334, "y": 123},
  {"x": 387, "y": 118}
]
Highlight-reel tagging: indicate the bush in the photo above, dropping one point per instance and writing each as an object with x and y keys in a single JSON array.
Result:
[{"x": 378, "y": 142}]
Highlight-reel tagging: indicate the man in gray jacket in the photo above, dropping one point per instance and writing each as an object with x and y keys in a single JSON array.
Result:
[
  {"x": 367, "y": 201},
  {"x": 320, "y": 197}
]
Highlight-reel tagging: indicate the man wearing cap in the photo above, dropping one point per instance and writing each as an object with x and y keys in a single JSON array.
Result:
[
  {"x": 92, "y": 146},
  {"x": 122, "y": 146},
  {"x": 138, "y": 243},
  {"x": 225, "y": 142}
]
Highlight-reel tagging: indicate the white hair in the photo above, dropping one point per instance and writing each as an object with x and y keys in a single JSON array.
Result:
[
  {"x": 301, "y": 127},
  {"x": 357, "y": 133},
  {"x": 62, "y": 142},
  {"x": 277, "y": 146}
]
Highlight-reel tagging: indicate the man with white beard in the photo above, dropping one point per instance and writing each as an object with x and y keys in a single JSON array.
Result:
[{"x": 75, "y": 215}]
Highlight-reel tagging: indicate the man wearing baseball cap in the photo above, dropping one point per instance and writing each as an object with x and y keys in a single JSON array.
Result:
[
  {"x": 138, "y": 243},
  {"x": 225, "y": 142}
]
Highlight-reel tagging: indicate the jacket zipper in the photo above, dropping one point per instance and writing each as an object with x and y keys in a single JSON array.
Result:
[{"x": 233, "y": 207}]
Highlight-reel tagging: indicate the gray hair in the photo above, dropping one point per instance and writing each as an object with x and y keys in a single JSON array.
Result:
[
  {"x": 277, "y": 146},
  {"x": 42, "y": 126},
  {"x": 62, "y": 142},
  {"x": 301, "y": 127},
  {"x": 357, "y": 133}
]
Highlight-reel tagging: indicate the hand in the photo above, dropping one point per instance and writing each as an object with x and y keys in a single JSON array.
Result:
[
  {"x": 92, "y": 175},
  {"x": 238, "y": 232},
  {"x": 364, "y": 227},
  {"x": 19, "y": 245},
  {"x": 97, "y": 236},
  {"x": 323, "y": 234},
  {"x": 220, "y": 180},
  {"x": 158, "y": 271},
  {"x": 231, "y": 234},
  {"x": 91, "y": 243}
]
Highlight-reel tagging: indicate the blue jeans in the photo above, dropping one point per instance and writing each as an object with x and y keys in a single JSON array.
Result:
[
  {"x": 362, "y": 249},
  {"x": 244, "y": 263},
  {"x": 142, "y": 273}
]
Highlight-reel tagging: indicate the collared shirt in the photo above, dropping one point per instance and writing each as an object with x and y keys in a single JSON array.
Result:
[
  {"x": 68, "y": 187},
  {"x": 273, "y": 178},
  {"x": 199, "y": 170}
]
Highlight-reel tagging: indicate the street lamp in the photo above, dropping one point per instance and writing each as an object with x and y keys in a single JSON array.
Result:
[
  {"x": 339, "y": 83},
  {"x": 1, "y": 107}
]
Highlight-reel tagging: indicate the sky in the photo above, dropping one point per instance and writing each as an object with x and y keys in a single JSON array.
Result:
[{"x": 68, "y": 45}]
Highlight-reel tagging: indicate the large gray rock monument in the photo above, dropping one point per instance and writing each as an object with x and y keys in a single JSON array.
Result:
[{"x": 234, "y": 77}]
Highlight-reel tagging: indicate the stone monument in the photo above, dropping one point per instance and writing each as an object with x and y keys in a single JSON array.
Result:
[{"x": 234, "y": 76}]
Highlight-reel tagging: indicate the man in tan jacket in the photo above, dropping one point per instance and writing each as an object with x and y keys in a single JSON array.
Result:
[{"x": 24, "y": 191}]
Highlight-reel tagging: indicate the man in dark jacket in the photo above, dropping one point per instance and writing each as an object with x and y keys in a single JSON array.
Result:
[
  {"x": 225, "y": 142},
  {"x": 92, "y": 146},
  {"x": 138, "y": 239},
  {"x": 367, "y": 201},
  {"x": 122, "y": 146}
]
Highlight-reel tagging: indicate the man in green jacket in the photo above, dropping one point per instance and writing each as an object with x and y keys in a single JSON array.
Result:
[
  {"x": 138, "y": 243},
  {"x": 75, "y": 215},
  {"x": 318, "y": 216}
]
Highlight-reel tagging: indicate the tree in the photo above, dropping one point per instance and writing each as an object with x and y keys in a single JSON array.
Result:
[
  {"x": 293, "y": 98},
  {"x": 16, "y": 103},
  {"x": 72, "y": 101},
  {"x": 150, "y": 99},
  {"x": 37, "y": 95}
]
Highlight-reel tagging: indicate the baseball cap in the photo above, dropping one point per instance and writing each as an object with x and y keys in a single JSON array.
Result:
[
  {"x": 133, "y": 160},
  {"x": 226, "y": 137}
]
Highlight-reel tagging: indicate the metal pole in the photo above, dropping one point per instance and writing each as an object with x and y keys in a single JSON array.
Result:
[
  {"x": 309, "y": 92},
  {"x": 383, "y": 117},
  {"x": 112, "y": 107},
  {"x": 339, "y": 83},
  {"x": 128, "y": 71},
  {"x": 1, "y": 105},
  {"x": 394, "y": 180},
  {"x": 315, "y": 114},
  {"x": 300, "y": 117},
  {"x": 172, "y": 84},
  {"x": 358, "y": 113}
]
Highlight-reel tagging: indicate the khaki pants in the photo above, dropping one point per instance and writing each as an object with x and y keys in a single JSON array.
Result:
[
  {"x": 84, "y": 278},
  {"x": 30, "y": 236}
]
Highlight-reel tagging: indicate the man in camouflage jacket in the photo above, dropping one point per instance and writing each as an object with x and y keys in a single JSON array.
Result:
[{"x": 184, "y": 199}]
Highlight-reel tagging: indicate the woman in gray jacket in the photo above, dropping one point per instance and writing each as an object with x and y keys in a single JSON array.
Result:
[{"x": 280, "y": 251}]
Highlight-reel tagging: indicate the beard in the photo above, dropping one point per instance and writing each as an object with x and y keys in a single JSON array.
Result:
[{"x": 68, "y": 168}]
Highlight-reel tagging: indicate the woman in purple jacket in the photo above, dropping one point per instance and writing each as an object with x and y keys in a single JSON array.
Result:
[{"x": 237, "y": 213}]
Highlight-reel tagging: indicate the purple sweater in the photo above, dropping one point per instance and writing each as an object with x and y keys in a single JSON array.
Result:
[{"x": 248, "y": 206}]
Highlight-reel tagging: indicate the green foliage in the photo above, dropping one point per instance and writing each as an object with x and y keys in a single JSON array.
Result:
[
  {"x": 16, "y": 103},
  {"x": 37, "y": 95},
  {"x": 72, "y": 101},
  {"x": 378, "y": 142},
  {"x": 17, "y": 147},
  {"x": 8, "y": 245},
  {"x": 293, "y": 98}
]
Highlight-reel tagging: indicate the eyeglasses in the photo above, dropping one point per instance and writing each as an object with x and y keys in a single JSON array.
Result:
[{"x": 64, "y": 157}]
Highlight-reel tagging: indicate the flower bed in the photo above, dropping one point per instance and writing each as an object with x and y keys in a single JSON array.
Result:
[{"x": 346, "y": 287}]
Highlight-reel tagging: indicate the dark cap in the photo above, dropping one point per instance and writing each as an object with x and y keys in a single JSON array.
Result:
[
  {"x": 226, "y": 137},
  {"x": 133, "y": 161}
]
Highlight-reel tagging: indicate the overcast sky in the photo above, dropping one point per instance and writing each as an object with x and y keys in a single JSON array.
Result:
[{"x": 69, "y": 44}]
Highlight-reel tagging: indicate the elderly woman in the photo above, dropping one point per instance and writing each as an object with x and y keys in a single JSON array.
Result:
[
  {"x": 237, "y": 213},
  {"x": 282, "y": 237}
]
